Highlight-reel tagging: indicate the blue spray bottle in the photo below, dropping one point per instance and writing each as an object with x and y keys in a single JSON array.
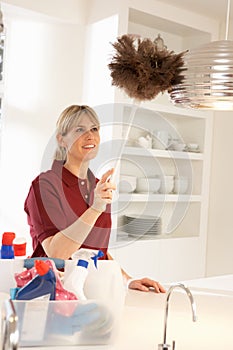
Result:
[
  {"x": 7, "y": 250},
  {"x": 43, "y": 284}
]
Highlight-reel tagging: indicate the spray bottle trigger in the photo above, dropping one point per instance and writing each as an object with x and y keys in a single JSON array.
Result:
[{"x": 97, "y": 256}]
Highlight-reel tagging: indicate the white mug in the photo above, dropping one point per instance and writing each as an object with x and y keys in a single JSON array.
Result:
[{"x": 161, "y": 139}]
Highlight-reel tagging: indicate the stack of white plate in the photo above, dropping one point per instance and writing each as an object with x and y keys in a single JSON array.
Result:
[{"x": 142, "y": 225}]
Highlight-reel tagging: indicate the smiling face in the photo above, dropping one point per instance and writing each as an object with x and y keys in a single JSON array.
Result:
[{"x": 82, "y": 141}]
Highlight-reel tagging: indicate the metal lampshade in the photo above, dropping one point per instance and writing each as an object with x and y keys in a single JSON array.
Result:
[{"x": 207, "y": 79}]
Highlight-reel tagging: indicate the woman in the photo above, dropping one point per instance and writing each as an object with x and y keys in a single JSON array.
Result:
[{"x": 67, "y": 207}]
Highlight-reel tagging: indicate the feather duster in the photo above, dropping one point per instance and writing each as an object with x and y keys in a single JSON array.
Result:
[{"x": 142, "y": 69}]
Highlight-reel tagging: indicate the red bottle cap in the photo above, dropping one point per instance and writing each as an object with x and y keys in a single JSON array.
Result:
[
  {"x": 19, "y": 244},
  {"x": 41, "y": 267},
  {"x": 7, "y": 238}
]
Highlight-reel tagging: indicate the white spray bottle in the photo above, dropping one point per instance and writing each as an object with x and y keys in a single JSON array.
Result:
[{"x": 76, "y": 270}]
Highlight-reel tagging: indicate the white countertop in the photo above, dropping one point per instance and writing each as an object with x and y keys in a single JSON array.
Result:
[
  {"x": 143, "y": 319},
  {"x": 224, "y": 283}
]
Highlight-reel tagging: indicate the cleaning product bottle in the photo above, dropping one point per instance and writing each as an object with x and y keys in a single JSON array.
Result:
[
  {"x": 7, "y": 250},
  {"x": 8, "y": 264},
  {"x": 43, "y": 284},
  {"x": 19, "y": 245},
  {"x": 76, "y": 274}
]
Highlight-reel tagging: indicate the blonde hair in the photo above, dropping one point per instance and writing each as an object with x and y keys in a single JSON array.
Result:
[{"x": 68, "y": 120}]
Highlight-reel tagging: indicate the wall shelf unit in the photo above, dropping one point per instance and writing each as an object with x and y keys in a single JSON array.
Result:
[{"x": 184, "y": 216}]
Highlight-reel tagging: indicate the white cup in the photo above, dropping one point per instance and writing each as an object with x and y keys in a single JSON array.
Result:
[
  {"x": 145, "y": 142},
  {"x": 161, "y": 139},
  {"x": 181, "y": 185}
]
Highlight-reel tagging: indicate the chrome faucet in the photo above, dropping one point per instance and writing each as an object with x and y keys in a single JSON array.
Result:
[
  {"x": 165, "y": 346},
  {"x": 10, "y": 332}
]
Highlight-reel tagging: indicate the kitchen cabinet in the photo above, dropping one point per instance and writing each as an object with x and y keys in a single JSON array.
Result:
[{"x": 178, "y": 252}]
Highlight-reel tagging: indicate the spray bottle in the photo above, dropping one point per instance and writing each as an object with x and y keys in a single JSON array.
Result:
[
  {"x": 76, "y": 272},
  {"x": 43, "y": 284},
  {"x": 7, "y": 250},
  {"x": 8, "y": 264}
]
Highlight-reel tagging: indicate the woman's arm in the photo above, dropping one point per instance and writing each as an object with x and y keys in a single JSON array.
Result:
[
  {"x": 143, "y": 284},
  {"x": 64, "y": 243}
]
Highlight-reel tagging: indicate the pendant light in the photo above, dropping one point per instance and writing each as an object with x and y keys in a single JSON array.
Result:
[{"x": 207, "y": 76}]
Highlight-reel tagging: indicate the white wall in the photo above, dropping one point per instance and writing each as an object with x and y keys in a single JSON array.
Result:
[
  {"x": 220, "y": 231},
  {"x": 45, "y": 55},
  {"x": 66, "y": 10},
  {"x": 97, "y": 85},
  {"x": 43, "y": 75}
]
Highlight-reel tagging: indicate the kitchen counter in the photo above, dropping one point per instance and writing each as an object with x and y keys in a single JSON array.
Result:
[
  {"x": 140, "y": 328},
  {"x": 143, "y": 319}
]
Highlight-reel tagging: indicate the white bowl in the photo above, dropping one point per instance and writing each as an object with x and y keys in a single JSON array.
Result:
[
  {"x": 127, "y": 183},
  {"x": 193, "y": 146},
  {"x": 179, "y": 146},
  {"x": 167, "y": 184},
  {"x": 148, "y": 184},
  {"x": 168, "y": 178}
]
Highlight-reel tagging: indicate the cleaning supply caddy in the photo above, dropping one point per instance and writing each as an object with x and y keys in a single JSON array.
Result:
[{"x": 94, "y": 321}]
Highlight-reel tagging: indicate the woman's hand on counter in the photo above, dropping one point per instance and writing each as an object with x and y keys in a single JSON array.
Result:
[{"x": 145, "y": 285}]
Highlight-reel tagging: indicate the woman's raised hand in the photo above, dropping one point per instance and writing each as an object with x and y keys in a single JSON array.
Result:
[{"x": 103, "y": 192}]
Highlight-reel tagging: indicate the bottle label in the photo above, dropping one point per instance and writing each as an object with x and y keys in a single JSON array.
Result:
[
  {"x": 83, "y": 263},
  {"x": 35, "y": 318}
]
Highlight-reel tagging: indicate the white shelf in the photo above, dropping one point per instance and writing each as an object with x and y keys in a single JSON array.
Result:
[
  {"x": 154, "y": 197},
  {"x": 145, "y": 152},
  {"x": 172, "y": 109},
  {"x": 167, "y": 108},
  {"x": 125, "y": 237}
]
